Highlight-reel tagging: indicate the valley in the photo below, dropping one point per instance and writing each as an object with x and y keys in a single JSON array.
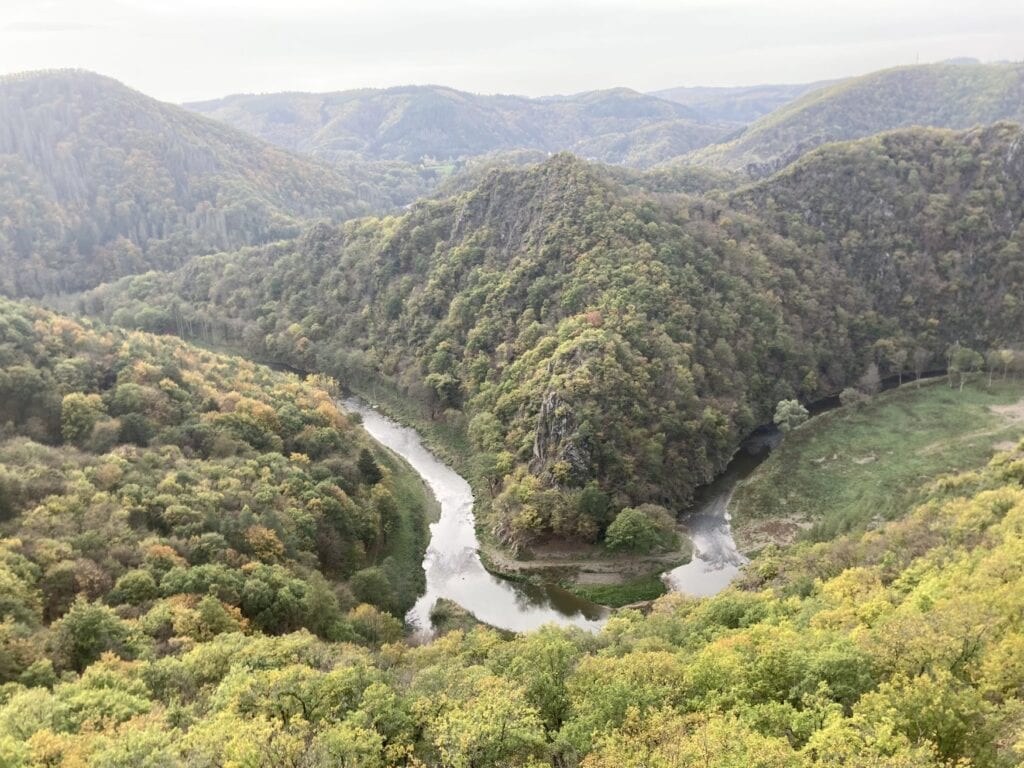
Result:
[{"x": 601, "y": 430}]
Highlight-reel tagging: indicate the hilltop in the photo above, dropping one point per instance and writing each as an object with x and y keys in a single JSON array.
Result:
[
  {"x": 418, "y": 123},
  {"x": 948, "y": 95},
  {"x": 596, "y": 336},
  {"x": 99, "y": 181}
]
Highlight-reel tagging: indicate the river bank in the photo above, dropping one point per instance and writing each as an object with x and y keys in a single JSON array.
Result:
[
  {"x": 589, "y": 572},
  {"x": 452, "y": 565},
  {"x": 858, "y": 466}
]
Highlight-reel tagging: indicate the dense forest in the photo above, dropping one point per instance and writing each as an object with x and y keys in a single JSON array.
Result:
[
  {"x": 99, "y": 181},
  {"x": 899, "y": 647},
  {"x": 151, "y": 491},
  {"x": 949, "y": 95},
  {"x": 419, "y": 124},
  {"x": 205, "y": 562},
  {"x": 609, "y": 346}
]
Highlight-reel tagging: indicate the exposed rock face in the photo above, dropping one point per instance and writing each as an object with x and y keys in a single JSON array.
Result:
[{"x": 556, "y": 442}]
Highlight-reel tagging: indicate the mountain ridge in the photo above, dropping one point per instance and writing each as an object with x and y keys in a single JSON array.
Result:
[{"x": 118, "y": 182}]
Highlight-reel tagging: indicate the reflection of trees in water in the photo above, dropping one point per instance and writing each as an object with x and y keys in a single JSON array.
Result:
[{"x": 452, "y": 564}]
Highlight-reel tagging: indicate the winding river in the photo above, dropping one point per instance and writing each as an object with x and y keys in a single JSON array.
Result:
[{"x": 452, "y": 562}]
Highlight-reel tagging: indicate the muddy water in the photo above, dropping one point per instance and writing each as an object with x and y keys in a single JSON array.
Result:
[{"x": 452, "y": 561}]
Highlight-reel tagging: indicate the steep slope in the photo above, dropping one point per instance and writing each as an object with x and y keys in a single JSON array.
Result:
[
  {"x": 418, "y": 123},
  {"x": 600, "y": 336},
  {"x": 929, "y": 222},
  {"x": 939, "y": 95},
  {"x": 739, "y": 105},
  {"x": 897, "y": 647},
  {"x": 196, "y": 493},
  {"x": 98, "y": 181}
]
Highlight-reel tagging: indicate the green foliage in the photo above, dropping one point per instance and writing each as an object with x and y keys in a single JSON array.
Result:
[
  {"x": 947, "y": 95},
  {"x": 368, "y": 468},
  {"x": 789, "y": 414},
  {"x": 641, "y": 529},
  {"x": 98, "y": 181},
  {"x": 435, "y": 127},
  {"x": 903, "y": 651},
  {"x": 212, "y": 520},
  {"x": 86, "y": 631},
  {"x": 567, "y": 332},
  {"x": 856, "y": 464}
]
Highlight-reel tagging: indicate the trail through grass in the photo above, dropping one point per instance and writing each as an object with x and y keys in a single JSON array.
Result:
[{"x": 846, "y": 468}]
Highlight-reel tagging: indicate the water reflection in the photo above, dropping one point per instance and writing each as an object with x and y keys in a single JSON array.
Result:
[
  {"x": 716, "y": 560},
  {"x": 452, "y": 563}
]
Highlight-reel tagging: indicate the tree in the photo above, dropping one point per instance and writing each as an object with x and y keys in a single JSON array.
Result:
[
  {"x": 368, "y": 468},
  {"x": 87, "y": 631},
  {"x": 789, "y": 414},
  {"x": 998, "y": 359},
  {"x": 78, "y": 415},
  {"x": 372, "y": 585},
  {"x": 641, "y": 529},
  {"x": 962, "y": 361},
  {"x": 870, "y": 381},
  {"x": 495, "y": 727}
]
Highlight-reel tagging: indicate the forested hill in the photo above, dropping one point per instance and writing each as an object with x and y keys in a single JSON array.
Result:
[
  {"x": 929, "y": 222},
  {"x": 153, "y": 494},
  {"x": 98, "y": 181},
  {"x": 602, "y": 339},
  {"x": 417, "y": 123},
  {"x": 938, "y": 95},
  {"x": 739, "y": 105}
]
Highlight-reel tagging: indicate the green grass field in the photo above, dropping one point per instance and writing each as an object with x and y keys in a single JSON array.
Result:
[
  {"x": 617, "y": 595},
  {"x": 843, "y": 469}
]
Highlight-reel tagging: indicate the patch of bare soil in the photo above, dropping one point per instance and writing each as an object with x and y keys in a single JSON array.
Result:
[
  {"x": 753, "y": 535},
  {"x": 1012, "y": 413},
  {"x": 582, "y": 563}
]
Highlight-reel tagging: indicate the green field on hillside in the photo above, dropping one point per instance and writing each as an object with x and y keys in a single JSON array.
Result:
[{"x": 843, "y": 469}]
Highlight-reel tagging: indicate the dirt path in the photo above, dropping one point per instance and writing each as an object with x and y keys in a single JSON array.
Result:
[{"x": 1010, "y": 414}]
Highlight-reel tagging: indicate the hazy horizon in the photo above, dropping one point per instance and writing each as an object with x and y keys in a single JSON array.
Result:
[{"x": 188, "y": 50}]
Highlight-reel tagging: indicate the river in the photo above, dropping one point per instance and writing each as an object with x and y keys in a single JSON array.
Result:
[
  {"x": 716, "y": 560},
  {"x": 452, "y": 561}
]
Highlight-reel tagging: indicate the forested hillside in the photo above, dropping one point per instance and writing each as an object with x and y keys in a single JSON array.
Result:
[
  {"x": 153, "y": 495},
  {"x": 611, "y": 347},
  {"x": 947, "y": 95},
  {"x": 739, "y": 105},
  {"x": 900, "y": 647},
  {"x": 420, "y": 124},
  {"x": 930, "y": 223},
  {"x": 99, "y": 181}
]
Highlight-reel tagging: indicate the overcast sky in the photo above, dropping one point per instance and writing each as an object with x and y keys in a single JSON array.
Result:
[{"x": 180, "y": 50}]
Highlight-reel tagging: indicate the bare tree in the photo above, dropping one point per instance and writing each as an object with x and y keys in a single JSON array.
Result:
[
  {"x": 920, "y": 357},
  {"x": 871, "y": 381}
]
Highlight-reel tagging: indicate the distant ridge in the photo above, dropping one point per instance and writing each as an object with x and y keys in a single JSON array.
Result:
[{"x": 98, "y": 181}]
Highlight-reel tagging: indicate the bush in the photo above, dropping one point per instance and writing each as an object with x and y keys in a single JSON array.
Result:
[
  {"x": 789, "y": 414},
  {"x": 86, "y": 632},
  {"x": 642, "y": 529}
]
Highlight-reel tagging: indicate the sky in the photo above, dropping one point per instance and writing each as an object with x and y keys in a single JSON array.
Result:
[{"x": 184, "y": 50}]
